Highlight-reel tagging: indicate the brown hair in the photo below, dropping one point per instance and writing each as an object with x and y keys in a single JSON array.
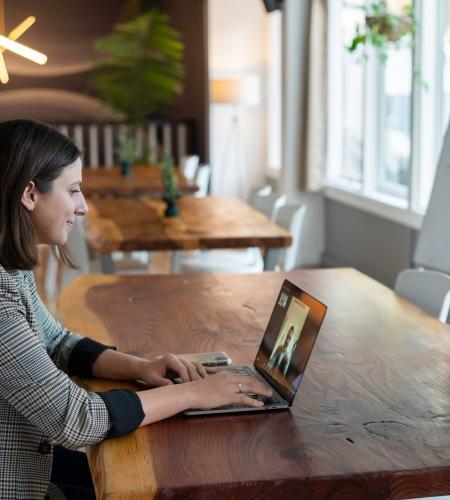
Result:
[{"x": 29, "y": 151}]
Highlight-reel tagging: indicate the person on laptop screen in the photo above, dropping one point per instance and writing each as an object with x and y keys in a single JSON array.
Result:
[
  {"x": 281, "y": 355},
  {"x": 288, "y": 337}
]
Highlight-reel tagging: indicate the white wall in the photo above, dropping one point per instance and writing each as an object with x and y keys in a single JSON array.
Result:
[{"x": 238, "y": 46}]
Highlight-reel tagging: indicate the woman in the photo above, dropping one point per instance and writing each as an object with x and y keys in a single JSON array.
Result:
[{"x": 40, "y": 406}]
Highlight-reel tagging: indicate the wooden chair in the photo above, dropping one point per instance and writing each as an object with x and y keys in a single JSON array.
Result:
[
  {"x": 98, "y": 141},
  {"x": 430, "y": 290}
]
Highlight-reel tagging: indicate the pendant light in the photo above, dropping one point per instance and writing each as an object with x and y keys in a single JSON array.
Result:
[{"x": 9, "y": 42}]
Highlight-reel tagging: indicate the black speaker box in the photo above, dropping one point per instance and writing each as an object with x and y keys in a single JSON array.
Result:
[{"x": 272, "y": 5}]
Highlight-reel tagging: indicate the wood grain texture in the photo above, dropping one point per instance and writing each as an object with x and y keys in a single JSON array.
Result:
[
  {"x": 371, "y": 419},
  {"x": 144, "y": 179},
  {"x": 212, "y": 222}
]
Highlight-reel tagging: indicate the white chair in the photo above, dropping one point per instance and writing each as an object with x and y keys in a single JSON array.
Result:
[
  {"x": 250, "y": 260},
  {"x": 202, "y": 180},
  {"x": 189, "y": 165},
  {"x": 269, "y": 204},
  {"x": 429, "y": 290},
  {"x": 290, "y": 217},
  {"x": 258, "y": 191},
  {"x": 58, "y": 277}
]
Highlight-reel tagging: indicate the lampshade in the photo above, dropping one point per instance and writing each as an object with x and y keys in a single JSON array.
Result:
[{"x": 238, "y": 90}]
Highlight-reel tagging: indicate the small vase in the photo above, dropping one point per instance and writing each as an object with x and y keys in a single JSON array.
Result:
[
  {"x": 125, "y": 167},
  {"x": 171, "y": 208}
]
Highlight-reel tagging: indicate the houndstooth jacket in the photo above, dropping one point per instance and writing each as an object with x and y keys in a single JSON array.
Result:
[{"x": 39, "y": 403}]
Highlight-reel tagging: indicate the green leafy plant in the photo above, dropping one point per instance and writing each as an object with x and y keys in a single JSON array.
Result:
[
  {"x": 141, "y": 67},
  {"x": 383, "y": 29},
  {"x": 125, "y": 148},
  {"x": 170, "y": 185},
  {"x": 125, "y": 152}
]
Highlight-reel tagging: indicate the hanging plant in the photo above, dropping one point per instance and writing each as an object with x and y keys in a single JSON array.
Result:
[{"x": 383, "y": 29}]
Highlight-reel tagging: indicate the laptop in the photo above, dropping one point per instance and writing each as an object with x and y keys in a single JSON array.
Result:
[{"x": 284, "y": 351}]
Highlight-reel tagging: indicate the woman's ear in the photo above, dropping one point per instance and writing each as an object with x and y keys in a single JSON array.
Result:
[{"x": 29, "y": 196}]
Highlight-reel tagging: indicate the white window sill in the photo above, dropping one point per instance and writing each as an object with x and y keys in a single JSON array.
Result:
[{"x": 383, "y": 206}]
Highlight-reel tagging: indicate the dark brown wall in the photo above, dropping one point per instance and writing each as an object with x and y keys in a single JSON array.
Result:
[
  {"x": 190, "y": 17},
  {"x": 66, "y": 31}
]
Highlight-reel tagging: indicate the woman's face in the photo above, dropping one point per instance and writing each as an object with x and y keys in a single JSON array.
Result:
[{"x": 53, "y": 213}]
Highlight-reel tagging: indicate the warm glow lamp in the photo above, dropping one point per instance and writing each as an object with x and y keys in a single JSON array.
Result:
[
  {"x": 9, "y": 43},
  {"x": 236, "y": 92}
]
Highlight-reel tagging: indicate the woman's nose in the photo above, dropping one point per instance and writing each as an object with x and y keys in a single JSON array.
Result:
[{"x": 81, "y": 208}]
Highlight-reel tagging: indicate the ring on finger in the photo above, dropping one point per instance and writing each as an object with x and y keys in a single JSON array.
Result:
[{"x": 240, "y": 388}]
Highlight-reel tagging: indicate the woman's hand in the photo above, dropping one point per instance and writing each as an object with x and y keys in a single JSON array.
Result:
[
  {"x": 155, "y": 372},
  {"x": 220, "y": 389},
  {"x": 226, "y": 388}
]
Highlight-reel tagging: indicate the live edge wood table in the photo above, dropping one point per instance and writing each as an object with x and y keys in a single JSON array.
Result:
[
  {"x": 144, "y": 180},
  {"x": 371, "y": 419},
  {"x": 128, "y": 224}
]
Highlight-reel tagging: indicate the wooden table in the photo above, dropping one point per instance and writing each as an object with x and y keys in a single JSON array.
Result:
[
  {"x": 371, "y": 419},
  {"x": 144, "y": 179},
  {"x": 126, "y": 224}
]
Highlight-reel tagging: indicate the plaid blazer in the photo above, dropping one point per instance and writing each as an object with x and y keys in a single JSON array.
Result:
[{"x": 39, "y": 403}]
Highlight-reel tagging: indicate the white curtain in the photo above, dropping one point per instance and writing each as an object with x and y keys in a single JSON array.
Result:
[{"x": 305, "y": 49}]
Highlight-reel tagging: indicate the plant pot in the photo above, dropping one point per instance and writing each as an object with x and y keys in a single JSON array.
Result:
[
  {"x": 125, "y": 167},
  {"x": 171, "y": 208},
  {"x": 393, "y": 31}
]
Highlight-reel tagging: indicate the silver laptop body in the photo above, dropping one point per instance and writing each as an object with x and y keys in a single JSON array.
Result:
[{"x": 284, "y": 351}]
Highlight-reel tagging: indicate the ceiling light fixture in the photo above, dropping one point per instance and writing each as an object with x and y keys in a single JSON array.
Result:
[{"x": 9, "y": 43}]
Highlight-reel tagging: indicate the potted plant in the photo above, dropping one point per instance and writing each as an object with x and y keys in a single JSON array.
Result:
[
  {"x": 140, "y": 70},
  {"x": 125, "y": 153},
  {"x": 383, "y": 29},
  {"x": 170, "y": 186}
]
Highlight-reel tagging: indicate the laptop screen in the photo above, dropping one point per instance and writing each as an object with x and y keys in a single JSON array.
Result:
[{"x": 289, "y": 339}]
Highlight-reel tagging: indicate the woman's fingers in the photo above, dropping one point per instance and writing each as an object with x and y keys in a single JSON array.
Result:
[
  {"x": 250, "y": 385},
  {"x": 201, "y": 370},
  {"x": 175, "y": 364},
  {"x": 191, "y": 369},
  {"x": 187, "y": 371},
  {"x": 227, "y": 388}
]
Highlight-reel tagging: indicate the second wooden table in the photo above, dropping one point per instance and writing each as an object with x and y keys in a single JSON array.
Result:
[
  {"x": 144, "y": 179},
  {"x": 125, "y": 224}
]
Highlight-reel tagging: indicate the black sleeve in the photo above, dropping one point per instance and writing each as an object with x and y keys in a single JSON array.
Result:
[
  {"x": 125, "y": 411},
  {"x": 83, "y": 356}
]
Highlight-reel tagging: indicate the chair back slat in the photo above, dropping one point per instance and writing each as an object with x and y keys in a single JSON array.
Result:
[
  {"x": 98, "y": 141},
  {"x": 108, "y": 145},
  {"x": 93, "y": 146}
]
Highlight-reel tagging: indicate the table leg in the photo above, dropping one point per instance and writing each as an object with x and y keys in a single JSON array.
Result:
[
  {"x": 272, "y": 258},
  {"x": 175, "y": 261},
  {"x": 108, "y": 266}
]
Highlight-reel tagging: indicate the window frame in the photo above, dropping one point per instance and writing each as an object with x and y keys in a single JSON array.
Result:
[{"x": 426, "y": 122}]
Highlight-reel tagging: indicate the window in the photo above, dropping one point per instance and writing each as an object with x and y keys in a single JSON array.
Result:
[{"x": 385, "y": 126}]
